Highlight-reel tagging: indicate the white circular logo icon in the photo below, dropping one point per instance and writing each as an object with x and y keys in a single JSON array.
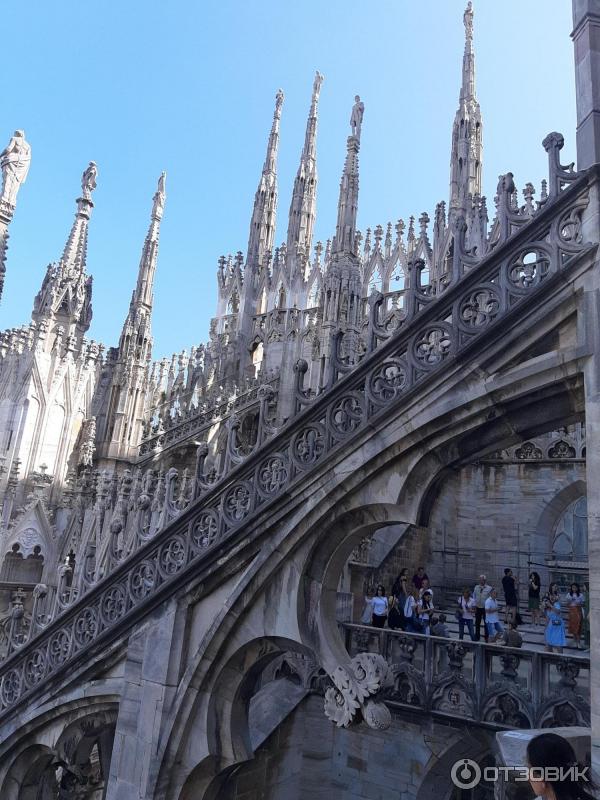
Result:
[{"x": 465, "y": 773}]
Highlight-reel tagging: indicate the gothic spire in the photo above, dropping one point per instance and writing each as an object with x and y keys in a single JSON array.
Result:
[
  {"x": 303, "y": 207},
  {"x": 136, "y": 338},
  {"x": 143, "y": 292},
  {"x": 345, "y": 232},
  {"x": 66, "y": 292},
  {"x": 262, "y": 225},
  {"x": 74, "y": 255},
  {"x": 465, "y": 161}
]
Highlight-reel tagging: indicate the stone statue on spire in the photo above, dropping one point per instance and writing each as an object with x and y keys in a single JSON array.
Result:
[
  {"x": 317, "y": 85},
  {"x": 88, "y": 181},
  {"x": 14, "y": 163},
  {"x": 159, "y": 197},
  {"x": 356, "y": 118},
  {"x": 278, "y": 102},
  {"x": 468, "y": 20}
]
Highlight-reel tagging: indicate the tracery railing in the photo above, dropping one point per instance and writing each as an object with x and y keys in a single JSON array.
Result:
[
  {"x": 493, "y": 685},
  {"x": 478, "y": 297}
]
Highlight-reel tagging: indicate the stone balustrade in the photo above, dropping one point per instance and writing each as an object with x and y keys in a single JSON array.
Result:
[{"x": 493, "y": 685}]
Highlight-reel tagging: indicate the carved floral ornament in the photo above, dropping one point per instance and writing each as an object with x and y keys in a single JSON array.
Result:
[{"x": 353, "y": 691}]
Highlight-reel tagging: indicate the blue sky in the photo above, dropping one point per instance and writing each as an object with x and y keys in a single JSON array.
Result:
[{"x": 188, "y": 87}]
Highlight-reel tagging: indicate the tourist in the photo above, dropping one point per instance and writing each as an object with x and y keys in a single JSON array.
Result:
[
  {"x": 512, "y": 637},
  {"x": 425, "y": 587},
  {"x": 380, "y": 607},
  {"x": 396, "y": 618},
  {"x": 438, "y": 626},
  {"x": 401, "y": 583},
  {"x": 554, "y": 592},
  {"x": 480, "y": 595},
  {"x": 418, "y": 577},
  {"x": 575, "y": 600},
  {"x": 555, "y": 627},
  {"x": 413, "y": 624},
  {"x": 367, "y": 615},
  {"x": 535, "y": 585},
  {"x": 425, "y": 610},
  {"x": 396, "y": 614},
  {"x": 492, "y": 622},
  {"x": 465, "y": 614},
  {"x": 567, "y": 781},
  {"x": 509, "y": 585}
]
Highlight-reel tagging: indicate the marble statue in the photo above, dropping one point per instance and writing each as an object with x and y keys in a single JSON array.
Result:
[
  {"x": 88, "y": 180},
  {"x": 356, "y": 118},
  {"x": 159, "y": 197},
  {"x": 317, "y": 84},
  {"x": 14, "y": 163},
  {"x": 468, "y": 20}
]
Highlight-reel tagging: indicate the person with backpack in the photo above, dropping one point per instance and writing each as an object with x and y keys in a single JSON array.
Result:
[{"x": 411, "y": 613}]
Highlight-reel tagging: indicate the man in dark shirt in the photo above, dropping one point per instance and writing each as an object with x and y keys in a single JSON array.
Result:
[
  {"x": 418, "y": 578},
  {"x": 509, "y": 584}
]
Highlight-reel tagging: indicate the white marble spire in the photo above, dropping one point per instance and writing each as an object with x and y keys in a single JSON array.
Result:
[
  {"x": 467, "y": 144},
  {"x": 262, "y": 225},
  {"x": 303, "y": 207}
]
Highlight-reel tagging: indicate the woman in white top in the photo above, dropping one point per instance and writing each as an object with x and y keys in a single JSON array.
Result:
[
  {"x": 466, "y": 614},
  {"x": 380, "y": 606},
  {"x": 492, "y": 622}
]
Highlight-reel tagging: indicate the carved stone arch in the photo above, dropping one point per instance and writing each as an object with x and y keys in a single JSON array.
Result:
[
  {"x": 476, "y": 745},
  {"x": 31, "y": 776},
  {"x": 408, "y": 686},
  {"x": 454, "y": 695},
  {"x": 34, "y": 744},
  {"x": 502, "y": 705},
  {"x": 321, "y": 573},
  {"x": 564, "y": 710},
  {"x": 227, "y": 719},
  {"x": 495, "y": 429}
]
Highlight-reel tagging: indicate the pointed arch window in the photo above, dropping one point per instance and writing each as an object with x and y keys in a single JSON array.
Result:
[{"x": 570, "y": 535}]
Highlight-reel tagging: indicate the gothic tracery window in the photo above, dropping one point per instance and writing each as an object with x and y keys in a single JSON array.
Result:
[{"x": 569, "y": 539}]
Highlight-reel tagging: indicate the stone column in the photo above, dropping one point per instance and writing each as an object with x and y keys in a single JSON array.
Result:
[
  {"x": 149, "y": 685},
  {"x": 586, "y": 39}
]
